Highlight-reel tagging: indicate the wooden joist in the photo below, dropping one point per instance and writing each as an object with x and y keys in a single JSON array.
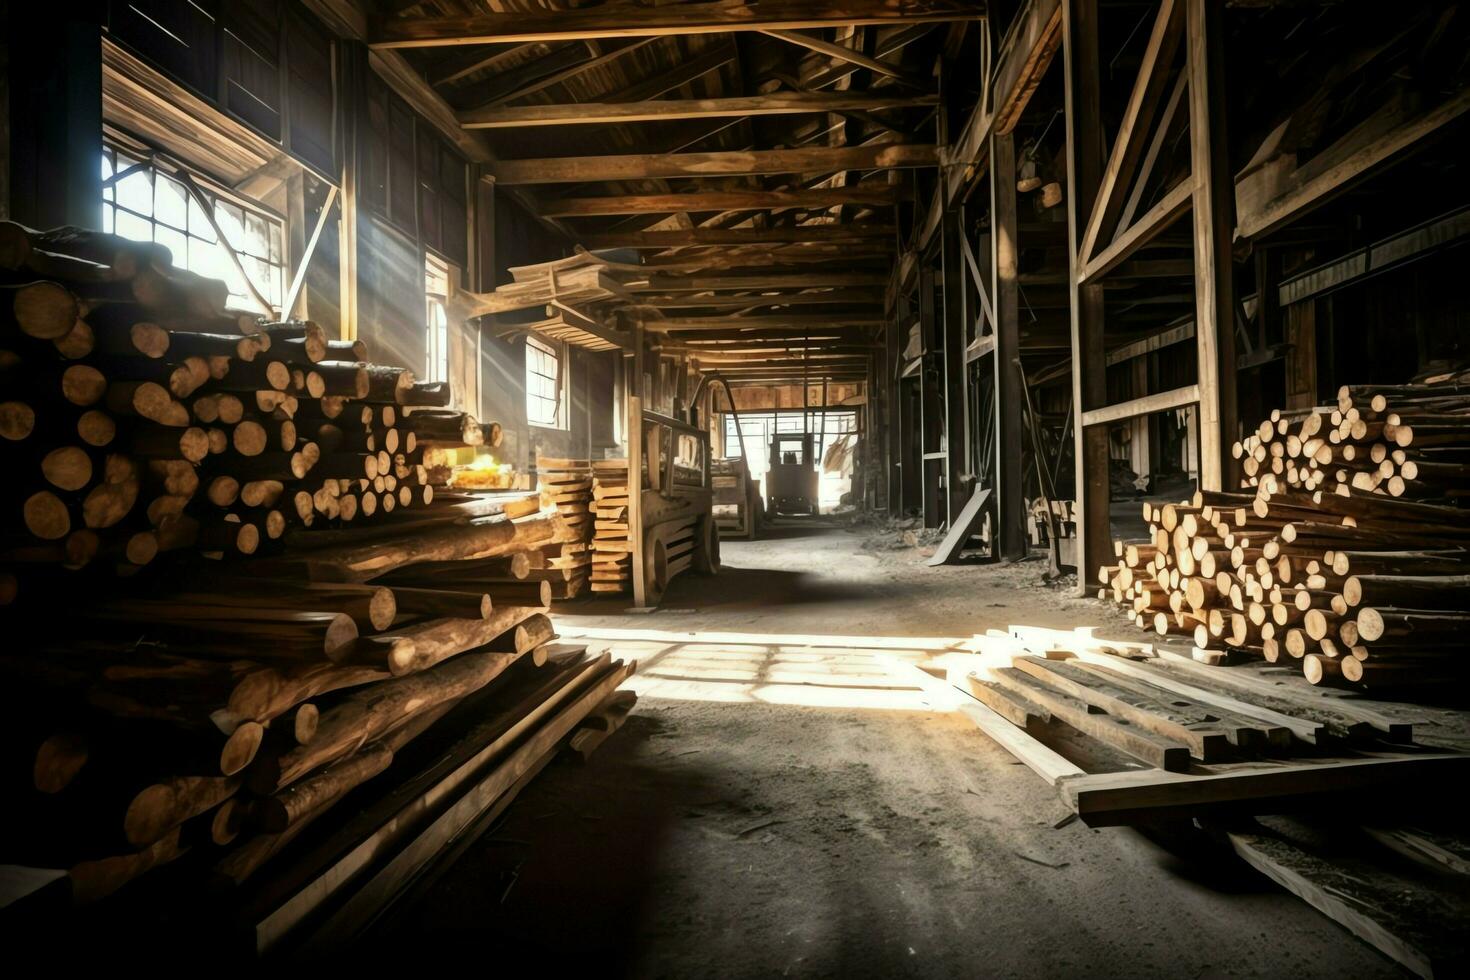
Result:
[
  {"x": 669, "y": 20},
  {"x": 884, "y": 196},
  {"x": 613, "y": 113}
]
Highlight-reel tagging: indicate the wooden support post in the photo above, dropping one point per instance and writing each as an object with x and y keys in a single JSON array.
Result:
[
  {"x": 931, "y": 405},
  {"x": 892, "y": 365},
  {"x": 1089, "y": 365},
  {"x": 55, "y": 138},
  {"x": 1010, "y": 501},
  {"x": 1214, "y": 229},
  {"x": 954, "y": 367},
  {"x": 633, "y": 412},
  {"x": 355, "y": 74}
]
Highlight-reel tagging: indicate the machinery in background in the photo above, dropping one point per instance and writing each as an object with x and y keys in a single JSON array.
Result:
[
  {"x": 792, "y": 480},
  {"x": 737, "y": 504}
]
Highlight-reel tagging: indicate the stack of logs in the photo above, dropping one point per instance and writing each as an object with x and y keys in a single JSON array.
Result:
[
  {"x": 212, "y": 703},
  {"x": 612, "y": 550},
  {"x": 1349, "y": 552},
  {"x": 566, "y": 487}
]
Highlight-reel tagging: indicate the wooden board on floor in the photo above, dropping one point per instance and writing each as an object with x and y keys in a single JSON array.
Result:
[{"x": 966, "y": 524}]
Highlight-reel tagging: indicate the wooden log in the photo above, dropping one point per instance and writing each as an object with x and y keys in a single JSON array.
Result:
[
  {"x": 436, "y": 640},
  {"x": 480, "y": 539},
  {"x": 369, "y": 712}
]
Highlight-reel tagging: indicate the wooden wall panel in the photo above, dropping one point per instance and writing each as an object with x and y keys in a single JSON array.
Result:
[
  {"x": 181, "y": 39},
  {"x": 250, "y": 64},
  {"x": 390, "y": 297},
  {"x": 402, "y": 170},
  {"x": 430, "y": 229},
  {"x": 310, "y": 96}
]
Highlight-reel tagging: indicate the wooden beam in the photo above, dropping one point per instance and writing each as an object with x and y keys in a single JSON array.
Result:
[
  {"x": 1108, "y": 799},
  {"x": 810, "y": 280},
  {"x": 1158, "y": 218},
  {"x": 843, "y": 53},
  {"x": 846, "y": 297},
  {"x": 1008, "y": 473},
  {"x": 1082, "y": 84},
  {"x": 1138, "y": 118},
  {"x": 1214, "y": 222},
  {"x": 721, "y": 163},
  {"x": 956, "y": 325},
  {"x": 1338, "y": 167},
  {"x": 557, "y": 77},
  {"x": 884, "y": 196},
  {"x": 621, "y": 20},
  {"x": 1148, "y": 404},
  {"x": 785, "y": 321},
  {"x": 779, "y": 235},
  {"x": 608, "y": 113}
]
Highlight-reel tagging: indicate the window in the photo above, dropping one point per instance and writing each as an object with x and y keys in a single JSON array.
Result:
[
  {"x": 543, "y": 384},
  {"x": 143, "y": 200},
  {"x": 436, "y": 288}
]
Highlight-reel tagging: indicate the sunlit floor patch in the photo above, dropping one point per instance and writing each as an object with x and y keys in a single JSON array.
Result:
[{"x": 814, "y": 670}]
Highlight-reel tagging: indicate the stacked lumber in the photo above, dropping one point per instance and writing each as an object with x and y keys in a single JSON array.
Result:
[
  {"x": 296, "y": 604},
  {"x": 141, "y": 418},
  {"x": 612, "y": 548},
  {"x": 1348, "y": 551},
  {"x": 566, "y": 487}
]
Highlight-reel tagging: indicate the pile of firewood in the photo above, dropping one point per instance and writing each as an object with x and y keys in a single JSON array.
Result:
[
  {"x": 1349, "y": 552},
  {"x": 612, "y": 549},
  {"x": 566, "y": 487},
  {"x": 231, "y": 590}
]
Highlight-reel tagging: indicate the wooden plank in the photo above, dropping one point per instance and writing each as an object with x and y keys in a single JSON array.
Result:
[
  {"x": 1033, "y": 754},
  {"x": 720, "y": 163},
  {"x": 962, "y": 528},
  {"x": 1206, "y": 742},
  {"x": 1434, "y": 851},
  {"x": 1113, "y": 799},
  {"x": 664, "y": 20},
  {"x": 1147, "y": 405},
  {"x": 1014, "y": 708},
  {"x": 1395, "y": 915},
  {"x": 558, "y": 77},
  {"x": 1158, "y": 752},
  {"x": 1308, "y": 731},
  {"x": 795, "y": 321},
  {"x": 819, "y": 199},
  {"x": 662, "y": 110}
]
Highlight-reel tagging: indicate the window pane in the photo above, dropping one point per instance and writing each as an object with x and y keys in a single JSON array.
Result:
[
  {"x": 107, "y": 213},
  {"x": 134, "y": 227},
  {"x": 204, "y": 258},
  {"x": 199, "y": 222},
  {"x": 135, "y": 192},
  {"x": 176, "y": 241},
  {"x": 170, "y": 202},
  {"x": 255, "y": 242},
  {"x": 231, "y": 221}
]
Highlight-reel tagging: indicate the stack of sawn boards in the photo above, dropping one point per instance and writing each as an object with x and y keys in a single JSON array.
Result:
[
  {"x": 566, "y": 486},
  {"x": 612, "y": 549},
  {"x": 1349, "y": 554},
  {"x": 197, "y": 676}
]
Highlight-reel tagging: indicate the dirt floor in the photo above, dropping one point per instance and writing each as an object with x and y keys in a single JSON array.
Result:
[{"x": 772, "y": 808}]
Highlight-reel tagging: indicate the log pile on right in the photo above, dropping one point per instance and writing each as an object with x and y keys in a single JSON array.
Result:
[{"x": 1348, "y": 551}]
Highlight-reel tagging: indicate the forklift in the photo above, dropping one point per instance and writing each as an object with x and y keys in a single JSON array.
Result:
[{"x": 792, "y": 480}]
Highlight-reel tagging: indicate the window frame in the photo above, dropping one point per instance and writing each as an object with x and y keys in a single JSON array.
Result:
[
  {"x": 154, "y": 163},
  {"x": 436, "y": 335},
  {"x": 557, "y": 351}
]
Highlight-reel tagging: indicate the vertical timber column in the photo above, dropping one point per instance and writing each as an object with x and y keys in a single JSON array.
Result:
[
  {"x": 892, "y": 365},
  {"x": 352, "y": 88},
  {"x": 1089, "y": 378},
  {"x": 931, "y": 408},
  {"x": 55, "y": 84},
  {"x": 1010, "y": 504},
  {"x": 954, "y": 364},
  {"x": 1214, "y": 232}
]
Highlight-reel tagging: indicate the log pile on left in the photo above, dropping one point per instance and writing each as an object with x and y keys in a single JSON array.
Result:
[{"x": 230, "y": 591}]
